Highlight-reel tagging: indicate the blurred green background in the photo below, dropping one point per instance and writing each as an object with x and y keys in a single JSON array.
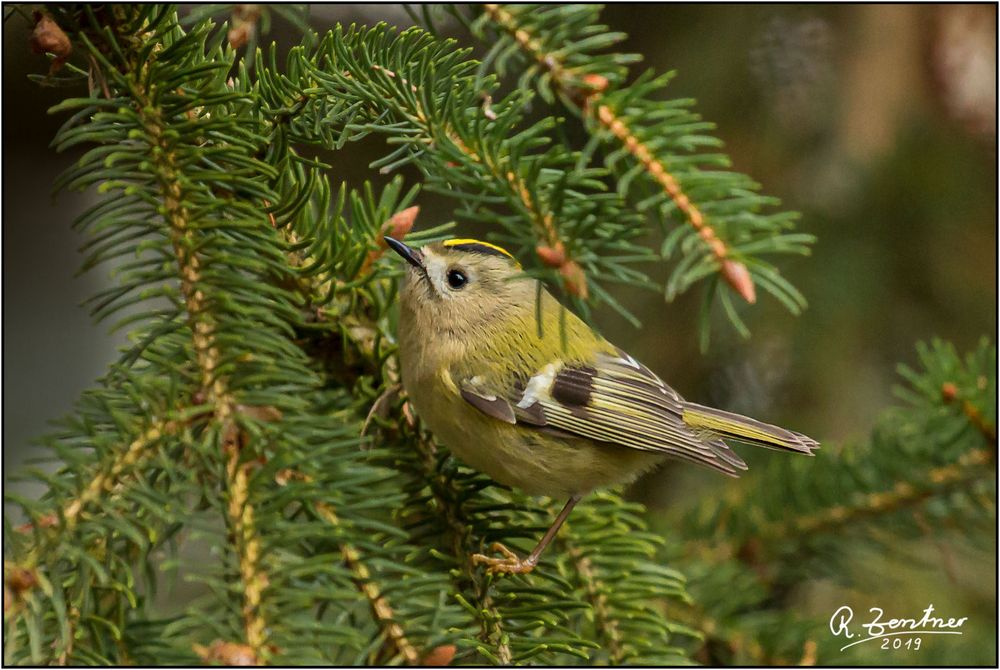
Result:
[{"x": 877, "y": 122}]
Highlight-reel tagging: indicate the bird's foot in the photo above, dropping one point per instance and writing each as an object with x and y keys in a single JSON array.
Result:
[{"x": 511, "y": 563}]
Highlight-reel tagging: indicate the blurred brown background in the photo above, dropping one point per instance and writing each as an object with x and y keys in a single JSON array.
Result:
[{"x": 877, "y": 122}]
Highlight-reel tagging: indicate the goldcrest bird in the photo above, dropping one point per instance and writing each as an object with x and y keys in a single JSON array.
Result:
[{"x": 557, "y": 413}]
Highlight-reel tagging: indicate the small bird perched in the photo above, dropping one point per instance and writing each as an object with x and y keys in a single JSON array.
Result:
[{"x": 550, "y": 412}]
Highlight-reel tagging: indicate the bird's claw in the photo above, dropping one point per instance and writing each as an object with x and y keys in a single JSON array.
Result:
[{"x": 511, "y": 563}]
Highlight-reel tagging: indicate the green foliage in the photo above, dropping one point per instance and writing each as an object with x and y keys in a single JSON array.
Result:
[
  {"x": 928, "y": 470},
  {"x": 251, "y": 440},
  {"x": 564, "y": 52},
  {"x": 225, "y": 448}
]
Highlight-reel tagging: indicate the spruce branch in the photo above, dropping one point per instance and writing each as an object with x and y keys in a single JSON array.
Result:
[
  {"x": 927, "y": 469},
  {"x": 109, "y": 480},
  {"x": 213, "y": 386},
  {"x": 274, "y": 344},
  {"x": 246, "y": 541},
  {"x": 381, "y": 610},
  {"x": 563, "y": 54},
  {"x": 950, "y": 394},
  {"x": 435, "y": 119},
  {"x": 918, "y": 452},
  {"x": 585, "y": 95}
]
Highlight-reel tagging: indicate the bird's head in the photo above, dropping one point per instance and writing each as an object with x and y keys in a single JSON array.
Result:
[{"x": 461, "y": 283}]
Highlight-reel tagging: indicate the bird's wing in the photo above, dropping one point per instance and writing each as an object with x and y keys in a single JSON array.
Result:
[{"x": 616, "y": 400}]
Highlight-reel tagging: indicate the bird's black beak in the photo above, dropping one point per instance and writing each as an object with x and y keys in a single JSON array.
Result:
[{"x": 412, "y": 256}]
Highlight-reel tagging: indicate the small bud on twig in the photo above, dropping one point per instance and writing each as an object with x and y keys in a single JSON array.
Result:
[
  {"x": 596, "y": 82},
  {"x": 737, "y": 276},
  {"x": 439, "y": 656},
  {"x": 260, "y": 412},
  {"x": 554, "y": 256},
  {"x": 45, "y": 521},
  {"x": 399, "y": 226},
  {"x": 488, "y": 107},
  {"x": 574, "y": 279},
  {"x": 18, "y": 579},
  {"x": 244, "y": 25},
  {"x": 226, "y": 653},
  {"x": 48, "y": 37}
]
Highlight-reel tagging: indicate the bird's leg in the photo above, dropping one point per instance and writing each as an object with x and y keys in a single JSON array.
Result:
[{"x": 511, "y": 562}]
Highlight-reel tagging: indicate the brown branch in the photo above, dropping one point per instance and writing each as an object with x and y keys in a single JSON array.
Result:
[
  {"x": 903, "y": 495},
  {"x": 734, "y": 272},
  {"x": 949, "y": 392},
  {"x": 247, "y": 543},
  {"x": 588, "y": 101},
  {"x": 379, "y": 605},
  {"x": 214, "y": 391}
]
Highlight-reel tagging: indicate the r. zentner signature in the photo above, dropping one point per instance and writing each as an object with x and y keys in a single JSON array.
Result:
[{"x": 879, "y": 627}]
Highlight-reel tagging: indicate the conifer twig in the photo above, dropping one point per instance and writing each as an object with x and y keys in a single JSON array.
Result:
[
  {"x": 902, "y": 495},
  {"x": 949, "y": 393},
  {"x": 606, "y": 625},
  {"x": 550, "y": 246},
  {"x": 246, "y": 542},
  {"x": 379, "y": 604},
  {"x": 213, "y": 391},
  {"x": 588, "y": 102}
]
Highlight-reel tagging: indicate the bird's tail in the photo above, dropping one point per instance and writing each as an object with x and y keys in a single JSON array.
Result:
[{"x": 743, "y": 428}]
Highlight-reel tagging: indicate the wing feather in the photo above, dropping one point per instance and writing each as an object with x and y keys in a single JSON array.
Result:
[{"x": 616, "y": 400}]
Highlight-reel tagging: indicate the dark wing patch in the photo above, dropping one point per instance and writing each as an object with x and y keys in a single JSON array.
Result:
[{"x": 573, "y": 386}]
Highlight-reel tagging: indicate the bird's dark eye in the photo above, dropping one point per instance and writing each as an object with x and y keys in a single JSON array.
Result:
[{"x": 457, "y": 279}]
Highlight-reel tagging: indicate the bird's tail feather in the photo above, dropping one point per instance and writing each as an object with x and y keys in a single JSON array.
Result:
[{"x": 743, "y": 428}]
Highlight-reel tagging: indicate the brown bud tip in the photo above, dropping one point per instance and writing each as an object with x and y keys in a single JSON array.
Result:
[
  {"x": 18, "y": 579},
  {"x": 597, "y": 83},
  {"x": 949, "y": 391},
  {"x": 285, "y": 475},
  {"x": 399, "y": 225},
  {"x": 737, "y": 276},
  {"x": 439, "y": 656},
  {"x": 239, "y": 35},
  {"x": 46, "y": 521},
  {"x": 48, "y": 37},
  {"x": 226, "y": 653},
  {"x": 260, "y": 412},
  {"x": 574, "y": 279},
  {"x": 554, "y": 257},
  {"x": 808, "y": 654}
]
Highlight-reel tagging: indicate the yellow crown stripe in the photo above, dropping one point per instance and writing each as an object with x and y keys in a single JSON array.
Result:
[{"x": 468, "y": 240}]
